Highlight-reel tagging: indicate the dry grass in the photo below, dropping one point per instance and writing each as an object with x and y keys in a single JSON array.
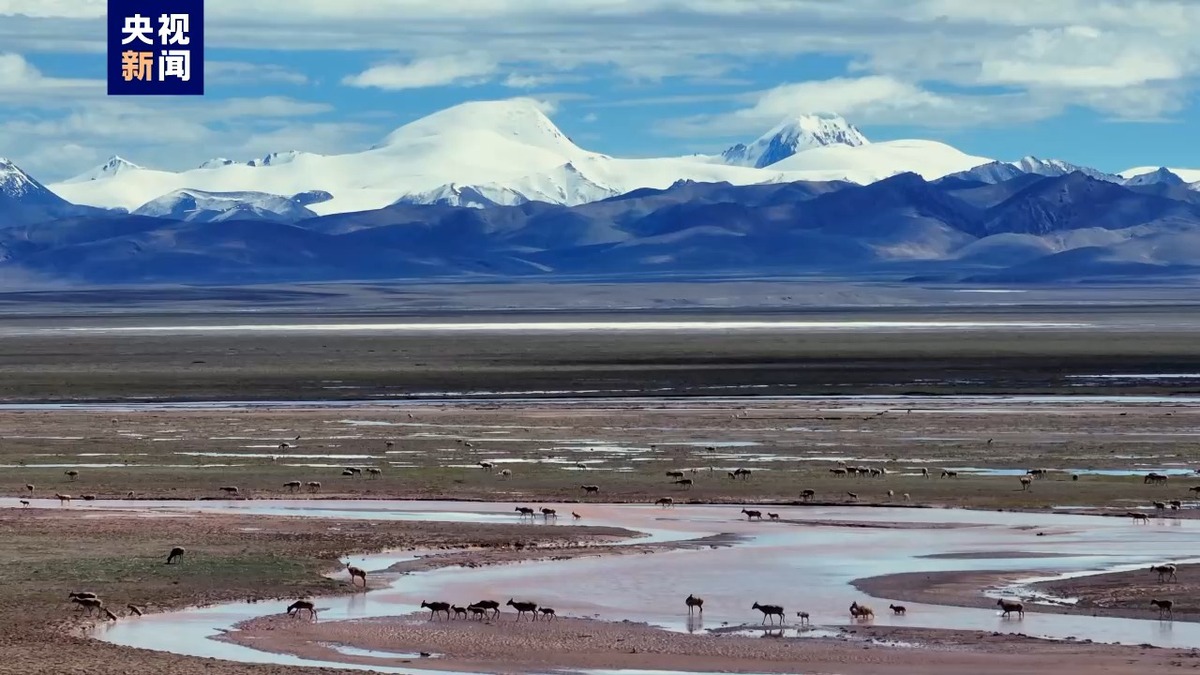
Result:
[{"x": 789, "y": 448}]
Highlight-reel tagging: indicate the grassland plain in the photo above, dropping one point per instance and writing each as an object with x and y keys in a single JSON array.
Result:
[{"x": 1098, "y": 452}]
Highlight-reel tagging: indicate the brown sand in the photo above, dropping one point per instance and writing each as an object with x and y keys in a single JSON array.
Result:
[
  {"x": 1120, "y": 594},
  {"x": 508, "y": 646}
]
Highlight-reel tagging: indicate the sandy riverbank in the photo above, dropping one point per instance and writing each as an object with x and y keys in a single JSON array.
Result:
[
  {"x": 1118, "y": 594},
  {"x": 508, "y": 646}
]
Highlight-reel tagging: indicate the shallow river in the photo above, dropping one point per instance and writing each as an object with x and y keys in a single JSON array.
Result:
[{"x": 801, "y": 565}]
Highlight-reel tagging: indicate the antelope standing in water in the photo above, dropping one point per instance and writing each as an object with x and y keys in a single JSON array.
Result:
[
  {"x": 298, "y": 605},
  {"x": 356, "y": 573}
]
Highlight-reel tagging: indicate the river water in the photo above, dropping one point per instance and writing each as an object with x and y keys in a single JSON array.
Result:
[{"x": 806, "y": 561}]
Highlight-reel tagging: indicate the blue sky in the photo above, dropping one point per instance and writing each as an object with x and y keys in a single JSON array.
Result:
[{"x": 1104, "y": 83}]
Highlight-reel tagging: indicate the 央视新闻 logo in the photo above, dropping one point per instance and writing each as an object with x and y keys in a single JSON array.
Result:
[{"x": 155, "y": 47}]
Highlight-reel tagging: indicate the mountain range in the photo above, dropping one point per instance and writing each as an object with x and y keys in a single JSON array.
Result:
[{"x": 494, "y": 189}]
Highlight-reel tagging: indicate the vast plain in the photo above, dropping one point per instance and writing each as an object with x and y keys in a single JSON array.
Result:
[{"x": 156, "y": 412}]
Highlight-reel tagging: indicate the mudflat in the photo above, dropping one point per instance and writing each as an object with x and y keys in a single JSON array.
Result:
[
  {"x": 140, "y": 357},
  {"x": 505, "y": 645}
]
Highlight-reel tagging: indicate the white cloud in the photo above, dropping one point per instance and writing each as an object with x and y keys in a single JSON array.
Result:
[
  {"x": 434, "y": 71},
  {"x": 926, "y": 62},
  {"x": 865, "y": 100},
  {"x": 517, "y": 81},
  {"x": 20, "y": 81},
  {"x": 54, "y": 137},
  {"x": 239, "y": 72}
]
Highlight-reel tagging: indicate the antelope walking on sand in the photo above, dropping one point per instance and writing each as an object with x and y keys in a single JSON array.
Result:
[
  {"x": 90, "y": 604},
  {"x": 1026, "y": 481},
  {"x": 522, "y": 607},
  {"x": 436, "y": 608},
  {"x": 486, "y": 605},
  {"x": 1165, "y": 572}
]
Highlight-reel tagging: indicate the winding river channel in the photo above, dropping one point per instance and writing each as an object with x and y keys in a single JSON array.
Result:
[{"x": 806, "y": 561}]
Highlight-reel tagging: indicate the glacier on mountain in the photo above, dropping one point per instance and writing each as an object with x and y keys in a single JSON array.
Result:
[
  {"x": 201, "y": 206},
  {"x": 509, "y": 152},
  {"x": 804, "y": 132}
]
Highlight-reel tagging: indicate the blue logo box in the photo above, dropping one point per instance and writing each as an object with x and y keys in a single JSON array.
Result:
[{"x": 155, "y": 47}]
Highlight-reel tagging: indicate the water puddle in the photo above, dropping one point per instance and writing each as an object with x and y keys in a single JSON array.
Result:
[{"x": 375, "y": 653}]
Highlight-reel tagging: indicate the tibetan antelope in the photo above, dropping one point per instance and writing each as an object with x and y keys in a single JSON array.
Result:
[{"x": 295, "y": 607}]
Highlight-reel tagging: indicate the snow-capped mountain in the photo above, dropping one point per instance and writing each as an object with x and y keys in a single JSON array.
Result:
[
  {"x": 794, "y": 135},
  {"x": 113, "y": 167},
  {"x": 16, "y": 185},
  {"x": 992, "y": 172},
  {"x": 509, "y": 152},
  {"x": 275, "y": 158},
  {"x": 998, "y": 172},
  {"x": 1057, "y": 167},
  {"x": 24, "y": 200},
  {"x": 1188, "y": 175},
  {"x": 216, "y": 163},
  {"x": 1162, "y": 176},
  {"x": 211, "y": 207}
]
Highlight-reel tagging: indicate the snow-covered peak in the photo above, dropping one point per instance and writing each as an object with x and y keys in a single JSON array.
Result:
[
  {"x": 793, "y": 135},
  {"x": 18, "y": 187},
  {"x": 217, "y": 162},
  {"x": 1161, "y": 175},
  {"x": 992, "y": 172},
  {"x": 518, "y": 120},
  {"x": 1057, "y": 167},
  {"x": 13, "y": 181},
  {"x": 203, "y": 206},
  {"x": 1188, "y": 175},
  {"x": 114, "y": 166},
  {"x": 277, "y": 158}
]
